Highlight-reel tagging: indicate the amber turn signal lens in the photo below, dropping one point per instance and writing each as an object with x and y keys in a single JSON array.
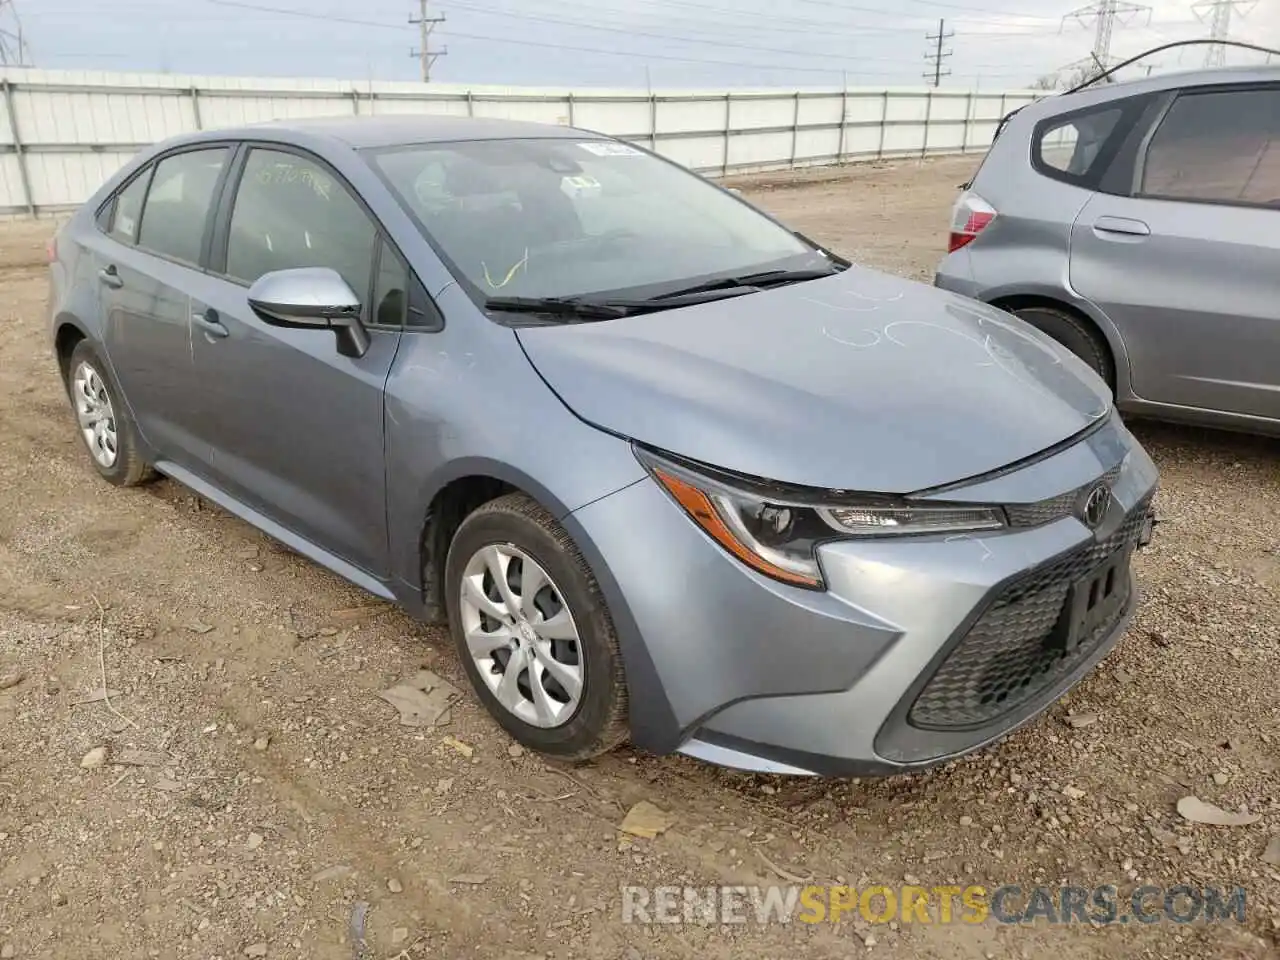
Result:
[{"x": 699, "y": 506}]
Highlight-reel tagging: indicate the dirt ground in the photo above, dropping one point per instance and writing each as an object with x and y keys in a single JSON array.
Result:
[{"x": 259, "y": 799}]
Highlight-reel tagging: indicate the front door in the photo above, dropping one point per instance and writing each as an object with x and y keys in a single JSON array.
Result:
[
  {"x": 296, "y": 428},
  {"x": 1186, "y": 267}
]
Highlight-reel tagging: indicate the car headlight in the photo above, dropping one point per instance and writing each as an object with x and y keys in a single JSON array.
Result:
[{"x": 776, "y": 530}]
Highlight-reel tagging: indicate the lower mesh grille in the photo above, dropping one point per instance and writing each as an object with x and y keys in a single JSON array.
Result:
[{"x": 1009, "y": 655}]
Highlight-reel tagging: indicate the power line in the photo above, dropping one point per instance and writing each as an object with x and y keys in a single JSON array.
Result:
[
  {"x": 426, "y": 56},
  {"x": 938, "y": 55},
  {"x": 354, "y": 21},
  {"x": 1219, "y": 18},
  {"x": 14, "y": 51}
]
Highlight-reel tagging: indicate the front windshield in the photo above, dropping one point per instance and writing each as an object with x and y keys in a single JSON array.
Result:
[{"x": 565, "y": 218}]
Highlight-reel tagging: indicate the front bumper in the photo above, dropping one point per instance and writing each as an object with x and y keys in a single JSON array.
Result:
[{"x": 732, "y": 667}]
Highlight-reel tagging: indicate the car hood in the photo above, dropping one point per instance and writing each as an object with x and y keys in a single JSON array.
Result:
[{"x": 859, "y": 381}]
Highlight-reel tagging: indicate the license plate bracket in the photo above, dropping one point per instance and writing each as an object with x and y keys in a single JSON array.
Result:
[{"x": 1094, "y": 600}]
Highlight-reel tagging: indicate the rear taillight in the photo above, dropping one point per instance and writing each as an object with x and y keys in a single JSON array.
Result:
[
  {"x": 970, "y": 216},
  {"x": 51, "y": 249}
]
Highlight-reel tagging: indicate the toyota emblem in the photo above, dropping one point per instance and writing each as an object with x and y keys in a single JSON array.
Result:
[{"x": 1095, "y": 506}]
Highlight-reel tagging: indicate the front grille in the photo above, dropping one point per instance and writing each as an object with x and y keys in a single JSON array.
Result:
[
  {"x": 1008, "y": 656},
  {"x": 1055, "y": 508}
]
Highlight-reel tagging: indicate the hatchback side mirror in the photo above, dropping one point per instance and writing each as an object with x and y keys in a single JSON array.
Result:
[{"x": 311, "y": 298}]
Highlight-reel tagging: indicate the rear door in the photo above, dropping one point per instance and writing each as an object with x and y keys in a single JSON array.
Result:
[
  {"x": 1186, "y": 265},
  {"x": 156, "y": 231}
]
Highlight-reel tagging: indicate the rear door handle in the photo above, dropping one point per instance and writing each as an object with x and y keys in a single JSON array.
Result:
[
  {"x": 1121, "y": 226},
  {"x": 111, "y": 277},
  {"x": 208, "y": 322}
]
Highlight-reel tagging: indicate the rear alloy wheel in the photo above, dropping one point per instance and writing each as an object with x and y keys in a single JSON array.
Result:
[
  {"x": 1076, "y": 334},
  {"x": 105, "y": 426},
  {"x": 533, "y": 633}
]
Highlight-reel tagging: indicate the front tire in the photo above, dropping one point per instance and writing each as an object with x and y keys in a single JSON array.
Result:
[
  {"x": 109, "y": 433},
  {"x": 533, "y": 632}
]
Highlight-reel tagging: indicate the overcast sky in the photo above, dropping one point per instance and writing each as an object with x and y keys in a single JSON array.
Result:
[{"x": 667, "y": 43}]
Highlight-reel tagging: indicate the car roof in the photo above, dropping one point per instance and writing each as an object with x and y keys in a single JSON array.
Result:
[
  {"x": 1103, "y": 92},
  {"x": 369, "y": 132}
]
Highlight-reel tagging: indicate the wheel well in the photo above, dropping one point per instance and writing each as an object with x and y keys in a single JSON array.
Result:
[
  {"x": 1023, "y": 301},
  {"x": 450, "y": 506},
  {"x": 67, "y": 337}
]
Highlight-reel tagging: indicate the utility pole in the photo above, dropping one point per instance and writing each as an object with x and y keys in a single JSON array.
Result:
[
  {"x": 1105, "y": 13},
  {"x": 14, "y": 51},
  {"x": 1218, "y": 15},
  {"x": 426, "y": 56},
  {"x": 938, "y": 55}
]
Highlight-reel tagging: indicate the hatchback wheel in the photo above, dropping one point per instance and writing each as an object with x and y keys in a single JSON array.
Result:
[
  {"x": 533, "y": 632},
  {"x": 105, "y": 425},
  {"x": 1076, "y": 335}
]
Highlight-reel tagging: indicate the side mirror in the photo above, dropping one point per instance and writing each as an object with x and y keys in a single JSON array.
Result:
[{"x": 311, "y": 298}]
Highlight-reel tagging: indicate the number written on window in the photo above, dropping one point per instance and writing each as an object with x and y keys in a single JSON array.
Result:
[{"x": 291, "y": 212}]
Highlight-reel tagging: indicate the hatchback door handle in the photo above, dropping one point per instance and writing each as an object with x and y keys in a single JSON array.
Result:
[
  {"x": 210, "y": 324},
  {"x": 1121, "y": 225},
  {"x": 109, "y": 276}
]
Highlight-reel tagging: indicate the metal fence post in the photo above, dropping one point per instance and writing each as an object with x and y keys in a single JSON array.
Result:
[
  {"x": 884, "y": 122},
  {"x": 195, "y": 108},
  {"x": 471, "y": 105},
  {"x": 24, "y": 175},
  {"x": 795, "y": 130},
  {"x": 928, "y": 116},
  {"x": 653, "y": 121},
  {"x": 728, "y": 127},
  {"x": 355, "y": 101},
  {"x": 571, "y": 123},
  {"x": 968, "y": 119},
  {"x": 844, "y": 124}
]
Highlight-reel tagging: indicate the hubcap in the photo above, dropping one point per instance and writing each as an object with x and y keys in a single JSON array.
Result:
[
  {"x": 522, "y": 636},
  {"x": 95, "y": 413}
]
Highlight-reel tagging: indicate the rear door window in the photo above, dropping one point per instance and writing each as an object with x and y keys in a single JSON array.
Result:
[
  {"x": 176, "y": 214},
  {"x": 1217, "y": 147}
]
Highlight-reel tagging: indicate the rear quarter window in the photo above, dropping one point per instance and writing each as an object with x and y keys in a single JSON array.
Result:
[{"x": 1075, "y": 148}]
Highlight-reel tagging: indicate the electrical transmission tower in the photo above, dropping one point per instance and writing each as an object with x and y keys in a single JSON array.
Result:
[
  {"x": 937, "y": 55},
  {"x": 1218, "y": 15},
  {"x": 1105, "y": 13},
  {"x": 426, "y": 56},
  {"x": 14, "y": 51}
]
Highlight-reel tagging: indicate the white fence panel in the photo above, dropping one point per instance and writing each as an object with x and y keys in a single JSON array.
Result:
[{"x": 63, "y": 132}]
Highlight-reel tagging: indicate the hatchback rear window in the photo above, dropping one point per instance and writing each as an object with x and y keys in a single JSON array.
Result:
[{"x": 1069, "y": 148}]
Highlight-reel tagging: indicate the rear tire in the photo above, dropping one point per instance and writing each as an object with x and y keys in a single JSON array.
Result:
[
  {"x": 108, "y": 431},
  {"x": 567, "y": 696},
  {"x": 1076, "y": 334}
]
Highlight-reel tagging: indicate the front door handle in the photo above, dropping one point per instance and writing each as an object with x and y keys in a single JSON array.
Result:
[
  {"x": 1123, "y": 226},
  {"x": 111, "y": 277},
  {"x": 213, "y": 328}
]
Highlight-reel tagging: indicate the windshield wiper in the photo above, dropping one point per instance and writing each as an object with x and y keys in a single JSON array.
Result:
[
  {"x": 762, "y": 279},
  {"x": 574, "y": 308}
]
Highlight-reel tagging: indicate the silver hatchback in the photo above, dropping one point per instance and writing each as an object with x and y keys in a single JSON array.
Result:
[{"x": 1137, "y": 224}]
